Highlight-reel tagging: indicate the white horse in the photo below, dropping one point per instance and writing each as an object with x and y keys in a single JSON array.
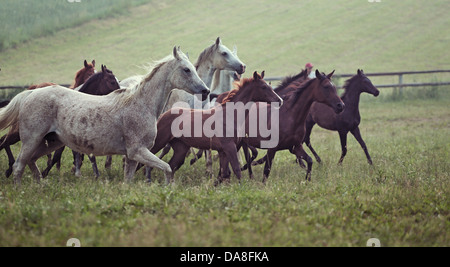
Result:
[
  {"x": 211, "y": 62},
  {"x": 121, "y": 123}
]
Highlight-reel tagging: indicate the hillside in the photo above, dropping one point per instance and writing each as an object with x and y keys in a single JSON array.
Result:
[{"x": 279, "y": 37}]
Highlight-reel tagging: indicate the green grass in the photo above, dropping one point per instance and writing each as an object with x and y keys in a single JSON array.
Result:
[
  {"x": 23, "y": 20},
  {"x": 403, "y": 199},
  {"x": 277, "y": 37}
]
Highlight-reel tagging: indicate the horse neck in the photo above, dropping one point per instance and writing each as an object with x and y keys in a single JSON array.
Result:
[
  {"x": 222, "y": 82},
  {"x": 243, "y": 95},
  {"x": 351, "y": 98},
  {"x": 154, "y": 92},
  {"x": 300, "y": 109},
  {"x": 205, "y": 70},
  {"x": 78, "y": 79}
]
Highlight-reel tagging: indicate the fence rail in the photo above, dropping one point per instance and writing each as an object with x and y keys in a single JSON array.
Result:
[
  {"x": 400, "y": 75},
  {"x": 400, "y": 83}
]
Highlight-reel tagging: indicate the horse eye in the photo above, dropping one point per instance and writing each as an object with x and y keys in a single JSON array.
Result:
[
  {"x": 224, "y": 54},
  {"x": 187, "y": 70}
]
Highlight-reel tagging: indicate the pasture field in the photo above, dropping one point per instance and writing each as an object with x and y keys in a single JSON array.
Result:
[
  {"x": 24, "y": 20},
  {"x": 402, "y": 200},
  {"x": 279, "y": 37}
]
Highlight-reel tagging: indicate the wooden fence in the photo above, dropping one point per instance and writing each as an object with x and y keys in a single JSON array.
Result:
[
  {"x": 400, "y": 83},
  {"x": 400, "y": 75}
]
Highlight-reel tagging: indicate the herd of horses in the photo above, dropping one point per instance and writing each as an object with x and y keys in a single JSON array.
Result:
[{"x": 100, "y": 116}]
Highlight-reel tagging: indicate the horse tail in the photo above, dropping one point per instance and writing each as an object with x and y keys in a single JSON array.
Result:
[{"x": 9, "y": 115}]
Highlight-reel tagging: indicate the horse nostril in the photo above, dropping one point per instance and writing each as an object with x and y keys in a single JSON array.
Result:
[
  {"x": 340, "y": 106},
  {"x": 243, "y": 67}
]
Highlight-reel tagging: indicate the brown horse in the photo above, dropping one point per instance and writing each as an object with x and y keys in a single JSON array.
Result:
[
  {"x": 13, "y": 136},
  {"x": 281, "y": 90},
  {"x": 292, "y": 117},
  {"x": 347, "y": 121},
  {"x": 101, "y": 83},
  {"x": 224, "y": 137}
]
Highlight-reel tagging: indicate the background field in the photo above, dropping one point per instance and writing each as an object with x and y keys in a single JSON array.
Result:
[{"x": 402, "y": 200}]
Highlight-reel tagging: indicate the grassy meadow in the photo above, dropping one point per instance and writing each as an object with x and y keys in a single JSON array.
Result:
[{"x": 403, "y": 199}]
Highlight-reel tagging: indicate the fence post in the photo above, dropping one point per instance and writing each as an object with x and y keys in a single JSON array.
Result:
[{"x": 400, "y": 82}]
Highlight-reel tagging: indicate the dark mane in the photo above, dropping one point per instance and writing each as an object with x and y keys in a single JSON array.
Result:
[
  {"x": 299, "y": 89},
  {"x": 94, "y": 78},
  {"x": 348, "y": 84},
  {"x": 288, "y": 80}
]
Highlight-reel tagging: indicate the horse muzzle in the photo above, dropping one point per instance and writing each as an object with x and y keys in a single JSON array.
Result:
[
  {"x": 339, "y": 108},
  {"x": 205, "y": 94},
  {"x": 241, "y": 69}
]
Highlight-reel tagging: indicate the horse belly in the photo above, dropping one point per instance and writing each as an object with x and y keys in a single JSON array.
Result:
[
  {"x": 203, "y": 143},
  {"x": 90, "y": 136}
]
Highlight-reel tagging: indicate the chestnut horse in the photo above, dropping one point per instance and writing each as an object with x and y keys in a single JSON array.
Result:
[
  {"x": 347, "y": 121},
  {"x": 292, "y": 117},
  {"x": 223, "y": 138},
  {"x": 13, "y": 137}
]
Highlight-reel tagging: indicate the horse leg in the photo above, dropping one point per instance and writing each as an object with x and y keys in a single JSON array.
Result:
[
  {"x": 6, "y": 141},
  {"x": 343, "y": 136},
  {"x": 307, "y": 140},
  {"x": 178, "y": 158},
  {"x": 197, "y": 157},
  {"x": 56, "y": 158},
  {"x": 144, "y": 156},
  {"x": 31, "y": 151},
  {"x": 270, "y": 156},
  {"x": 249, "y": 161},
  {"x": 108, "y": 163},
  {"x": 94, "y": 166},
  {"x": 11, "y": 161},
  {"x": 231, "y": 151},
  {"x": 165, "y": 151},
  {"x": 260, "y": 161},
  {"x": 224, "y": 173},
  {"x": 78, "y": 162},
  {"x": 209, "y": 163},
  {"x": 129, "y": 169},
  {"x": 302, "y": 155},
  {"x": 357, "y": 134}
]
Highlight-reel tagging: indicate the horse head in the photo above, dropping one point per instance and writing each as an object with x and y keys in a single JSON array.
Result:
[
  {"x": 366, "y": 84},
  {"x": 225, "y": 59},
  {"x": 327, "y": 92},
  {"x": 101, "y": 83},
  {"x": 109, "y": 81},
  {"x": 185, "y": 76},
  {"x": 84, "y": 74}
]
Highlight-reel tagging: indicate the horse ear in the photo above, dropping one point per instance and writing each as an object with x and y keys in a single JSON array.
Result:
[
  {"x": 359, "y": 72},
  {"x": 93, "y": 62},
  {"x": 255, "y": 76},
  {"x": 175, "y": 53},
  {"x": 235, "y": 50},
  {"x": 262, "y": 74},
  {"x": 103, "y": 68},
  {"x": 85, "y": 63},
  {"x": 319, "y": 75},
  {"x": 331, "y": 75},
  {"x": 218, "y": 41}
]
